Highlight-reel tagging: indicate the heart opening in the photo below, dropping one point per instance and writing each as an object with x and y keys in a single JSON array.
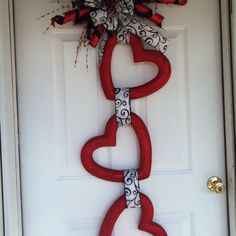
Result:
[{"x": 132, "y": 74}]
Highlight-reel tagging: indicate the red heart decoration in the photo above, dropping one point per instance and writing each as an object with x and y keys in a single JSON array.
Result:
[
  {"x": 146, "y": 222},
  {"x": 140, "y": 55},
  {"x": 109, "y": 139}
]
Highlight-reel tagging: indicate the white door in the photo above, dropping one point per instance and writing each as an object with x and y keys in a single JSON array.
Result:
[{"x": 61, "y": 107}]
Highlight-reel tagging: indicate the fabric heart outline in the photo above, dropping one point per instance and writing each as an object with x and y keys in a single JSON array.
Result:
[
  {"x": 139, "y": 55},
  {"x": 109, "y": 139},
  {"x": 146, "y": 222}
]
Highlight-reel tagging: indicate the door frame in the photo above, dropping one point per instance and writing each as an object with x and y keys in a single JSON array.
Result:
[
  {"x": 9, "y": 124},
  {"x": 229, "y": 93},
  {"x": 13, "y": 221}
]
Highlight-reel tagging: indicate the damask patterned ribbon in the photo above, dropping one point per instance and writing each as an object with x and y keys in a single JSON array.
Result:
[
  {"x": 122, "y": 107},
  {"x": 132, "y": 189},
  {"x": 120, "y": 18}
]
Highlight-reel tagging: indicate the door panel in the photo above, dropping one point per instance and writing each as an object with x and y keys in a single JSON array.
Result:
[{"x": 61, "y": 106}]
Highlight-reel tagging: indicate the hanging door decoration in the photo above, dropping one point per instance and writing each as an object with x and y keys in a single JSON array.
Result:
[{"x": 108, "y": 22}]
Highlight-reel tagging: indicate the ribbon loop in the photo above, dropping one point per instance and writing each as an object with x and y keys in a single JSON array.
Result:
[
  {"x": 125, "y": 6},
  {"x": 93, "y": 3},
  {"x": 147, "y": 33}
]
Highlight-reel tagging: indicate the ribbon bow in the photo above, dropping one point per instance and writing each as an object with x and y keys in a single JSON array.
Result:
[
  {"x": 118, "y": 16},
  {"x": 122, "y": 17}
]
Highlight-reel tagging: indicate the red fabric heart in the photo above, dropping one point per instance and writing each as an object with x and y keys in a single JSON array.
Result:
[
  {"x": 146, "y": 222},
  {"x": 109, "y": 139},
  {"x": 140, "y": 55}
]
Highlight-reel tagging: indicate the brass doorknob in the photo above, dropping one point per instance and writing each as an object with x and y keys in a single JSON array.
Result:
[{"x": 215, "y": 184}]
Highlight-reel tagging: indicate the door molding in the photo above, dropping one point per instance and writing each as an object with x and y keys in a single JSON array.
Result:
[
  {"x": 9, "y": 124},
  {"x": 9, "y": 120},
  {"x": 228, "y": 91}
]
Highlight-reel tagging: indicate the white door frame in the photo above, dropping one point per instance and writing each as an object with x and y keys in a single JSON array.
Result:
[
  {"x": 9, "y": 121},
  {"x": 232, "y": 104},
  {"x": 229, "y": 108}
]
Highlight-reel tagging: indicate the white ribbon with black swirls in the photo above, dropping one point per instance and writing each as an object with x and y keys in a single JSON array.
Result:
[
  {"x": 132, "y": 189},
  {"x": 122, "y": 106},
  {"x": 120, "y": 19}
]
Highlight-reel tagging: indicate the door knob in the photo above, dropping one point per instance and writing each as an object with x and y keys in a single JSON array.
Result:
[{"x": 215, "y": 184}]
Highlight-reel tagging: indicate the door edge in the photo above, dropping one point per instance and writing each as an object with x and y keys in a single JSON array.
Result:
[
  {"x": 229, "y": 115},
  {"x": 11, "y": 189}
]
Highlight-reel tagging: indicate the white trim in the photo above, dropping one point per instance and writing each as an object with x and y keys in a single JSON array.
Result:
[
  {"x": 229, "y": 113},
  {"x": 233, "y": 31},
  {"x": 8, "y": 118}
]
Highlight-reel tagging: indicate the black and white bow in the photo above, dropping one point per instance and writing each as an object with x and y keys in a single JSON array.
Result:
[{"x": 119, "y": 17}]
